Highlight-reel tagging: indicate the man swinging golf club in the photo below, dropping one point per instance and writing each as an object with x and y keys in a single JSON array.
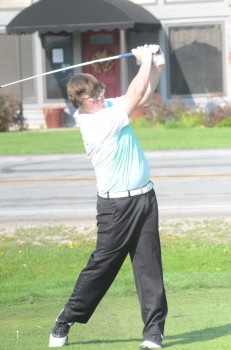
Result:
[{"x": 127, "y": 211}]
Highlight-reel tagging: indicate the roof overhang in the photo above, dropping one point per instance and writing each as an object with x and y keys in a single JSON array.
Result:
[{"x": 58, "y": 16}]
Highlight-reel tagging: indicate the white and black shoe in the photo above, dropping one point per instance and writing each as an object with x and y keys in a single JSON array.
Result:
[
  {"x": 59, "y": 334},
  {"x": 155, "y": 343}
]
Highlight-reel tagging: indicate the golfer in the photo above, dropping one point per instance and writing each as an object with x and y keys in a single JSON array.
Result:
[{"x": 127, "y": 211}]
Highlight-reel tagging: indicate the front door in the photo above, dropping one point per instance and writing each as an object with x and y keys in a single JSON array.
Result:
[{"x": 98, "y": 45}]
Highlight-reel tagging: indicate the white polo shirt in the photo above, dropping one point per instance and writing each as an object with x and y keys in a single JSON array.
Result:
[{"x": 113, "y": 148}]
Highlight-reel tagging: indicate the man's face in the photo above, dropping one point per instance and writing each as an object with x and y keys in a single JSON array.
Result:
[{"x": 92, "y": 104}]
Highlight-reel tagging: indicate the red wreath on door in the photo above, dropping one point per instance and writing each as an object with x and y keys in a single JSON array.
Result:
[{"x": 102, "y": 67}]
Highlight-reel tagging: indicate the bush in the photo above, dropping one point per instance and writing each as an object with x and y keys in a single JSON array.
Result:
[
  {"x": 225, "y": 123},
  {"x": 9, "y": 112},
  {"x": 140, "y": 122},
  {"x": 176, "y": 114},
  {"x": 158, "y": 112},
  {"x": 193, "y": 119},
  {"x": 219, "y": 116}
]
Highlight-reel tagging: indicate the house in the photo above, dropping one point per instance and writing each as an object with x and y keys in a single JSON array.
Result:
[{"x": 41, "y": 36}]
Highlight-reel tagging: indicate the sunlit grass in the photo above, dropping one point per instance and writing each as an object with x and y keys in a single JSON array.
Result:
[
  {"x": 70, "y": 141},
  {"x": 39, "y": 266}
]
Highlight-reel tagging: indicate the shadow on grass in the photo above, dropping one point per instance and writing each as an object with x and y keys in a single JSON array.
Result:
[
  {"x": 201, "y": 335},
  {"x": 101, "y": 341}
]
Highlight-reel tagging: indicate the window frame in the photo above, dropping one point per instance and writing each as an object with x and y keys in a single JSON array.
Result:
[
  {"x": 168, "y": 63},
  {"x": 44, "y": 61},
  {"x": 19, "y": 63}
]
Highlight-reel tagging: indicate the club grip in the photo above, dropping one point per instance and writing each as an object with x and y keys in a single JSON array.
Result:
[{"x": 129, "y": 54}]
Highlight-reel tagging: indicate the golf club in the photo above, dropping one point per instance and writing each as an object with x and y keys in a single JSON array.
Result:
[{"x": 70, "y": 67}]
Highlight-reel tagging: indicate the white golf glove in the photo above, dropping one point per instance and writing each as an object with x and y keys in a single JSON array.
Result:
[{"x": 158, "y": 58}]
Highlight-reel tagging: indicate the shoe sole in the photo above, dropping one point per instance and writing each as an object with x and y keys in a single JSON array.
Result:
[
  {"x": 147, "y": 344},
  {"x": 146, "y": 347},
  {"x": 57, "y": 342}
]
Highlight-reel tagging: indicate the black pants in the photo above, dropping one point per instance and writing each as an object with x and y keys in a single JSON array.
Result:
[{"x": 125, "y": 225}]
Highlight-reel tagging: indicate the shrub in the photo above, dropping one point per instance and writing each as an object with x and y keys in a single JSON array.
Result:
[
  {"x": 9, "y": 112},
  {"x": 140, "y": 122},
  {"x": 219, "y": 116},
  {"x": 176, "y": 114},
  {"x": 225, "y": 123},
  {"x": 193, "y": 119},
  {"x": 158, "y": 112},
  {"x": 186, "y": 121}
]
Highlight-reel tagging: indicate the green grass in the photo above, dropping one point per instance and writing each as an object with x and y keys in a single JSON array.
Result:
[
  {"x": 197, "y": 320},
  {"x": 190, "y": 138},
  {"x": 41, "y": 142},
  {"x": 70, "y": 141},
  {"x": 38, "y": 268}
]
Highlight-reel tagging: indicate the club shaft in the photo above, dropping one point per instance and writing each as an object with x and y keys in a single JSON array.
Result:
[{"x": 70, "y": 67}]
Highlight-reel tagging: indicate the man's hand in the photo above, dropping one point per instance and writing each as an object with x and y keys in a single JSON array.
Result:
[
  {"x": 154, "y": 48},
  {"x": 158, "y": 58},
  {"x": 142, "y": 54}
]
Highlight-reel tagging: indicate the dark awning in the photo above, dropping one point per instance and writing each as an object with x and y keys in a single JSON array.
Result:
[{"x": 56, "y": 16}]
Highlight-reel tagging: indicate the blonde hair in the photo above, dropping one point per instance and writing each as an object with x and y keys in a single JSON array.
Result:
[{"x": 82, "y": 84}]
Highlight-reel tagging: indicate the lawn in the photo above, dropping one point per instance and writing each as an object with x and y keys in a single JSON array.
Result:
[
  {"x": 198, "y": 320},
  {"x": 38, "y": 268},
  {"x": 39, "y": 265},
  {"x": 69, "y": 141}
]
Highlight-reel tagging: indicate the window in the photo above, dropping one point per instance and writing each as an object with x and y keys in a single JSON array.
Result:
[
  {"x": 58, "y": 53},
  {"x": 195, "y": 54},
  {"x": 16, "y": 63},
  {"x": 135, "y": 39}
]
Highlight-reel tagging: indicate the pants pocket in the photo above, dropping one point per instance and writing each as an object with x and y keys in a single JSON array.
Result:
[{"x": 105, "y": 215}]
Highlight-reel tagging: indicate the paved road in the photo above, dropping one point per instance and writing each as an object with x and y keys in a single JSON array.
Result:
[{"x": 62, "y": 187}]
